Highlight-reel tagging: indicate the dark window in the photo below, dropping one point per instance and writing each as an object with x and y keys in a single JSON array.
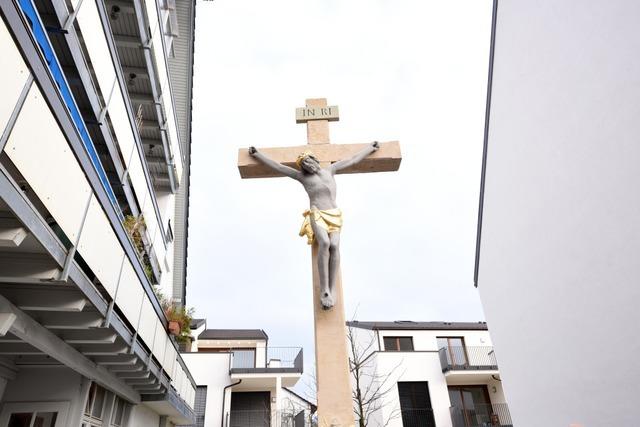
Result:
[
  {"x": 200, "y": 405},
  {"x": 169, "y": 232},
  {"x": 398, "y": 343},
  {"x": 415, "y": 404},
  {"x": 250, "y": 409},
  {"x": 471, "y": 406}
]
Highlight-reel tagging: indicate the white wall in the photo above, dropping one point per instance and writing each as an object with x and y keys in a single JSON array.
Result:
[
  {"x": 143, "y": 416},
  {"x": 415, "y": 366},
  {"x": 44, "y": 384},
  {"x": 559, "y": 267},
  {"x": 211, "y": 370}
]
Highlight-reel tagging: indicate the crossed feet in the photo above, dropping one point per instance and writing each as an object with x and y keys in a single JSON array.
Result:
[{"x": 326, "y": 299}]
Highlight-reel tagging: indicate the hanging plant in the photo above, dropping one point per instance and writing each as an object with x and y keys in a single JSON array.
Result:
[
  {"x": 179, "y": 318},
  {"x": 134, "y": 225}
]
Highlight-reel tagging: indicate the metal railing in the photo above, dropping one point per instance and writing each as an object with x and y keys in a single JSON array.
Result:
[
  {"x": 462, "y": 358},
  {"x": 293, "y": 419},
  {"x": 268, "y": 418},
  {"x": 275, "y": 359},
  {"x": 284, "y": 357},
  {"x": 249, "y": 418},
  {"x": 489, "y": 415},
  {"x": 417, "y": 417}
]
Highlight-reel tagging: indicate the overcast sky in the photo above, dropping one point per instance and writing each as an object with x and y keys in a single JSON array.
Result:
[{"x": 413, "y": 71}]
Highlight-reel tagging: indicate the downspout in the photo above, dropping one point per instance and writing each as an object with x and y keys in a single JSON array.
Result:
[
  {"x": 146, "y": 41},
  {"x": 224, "y": 395}
]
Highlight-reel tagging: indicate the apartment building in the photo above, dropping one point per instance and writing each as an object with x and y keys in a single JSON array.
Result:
[
  {"x": 94, "y": 158},
  {"x": 244, "y": 382},
  {"x": 558, "y": 233},
  {"x": 429, "y": 374}
]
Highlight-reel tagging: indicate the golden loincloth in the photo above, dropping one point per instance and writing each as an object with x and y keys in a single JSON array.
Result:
[{"x": 329, "y": 219}]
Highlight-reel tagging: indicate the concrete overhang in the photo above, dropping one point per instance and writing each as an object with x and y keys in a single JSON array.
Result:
[
  {"x": 171, "y": 405},
  {"x": 264, "y": 380},
  {"x": 471, "y": 377}
]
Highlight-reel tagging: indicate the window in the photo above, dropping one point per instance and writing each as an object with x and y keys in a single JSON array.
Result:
[
  {"x": 94, "y": 408},
  {"x": 169, "y": 232},
  {"x": 455, "y": 350},
  {"x": 415, "y": 404},
  {"x": 26, "y": 419},
  {"x": 34, "y": 414},
  {"x": 471, "y": 405},
  {"x": 398, "y": 343},
  {"x": 117, "y": 416}
]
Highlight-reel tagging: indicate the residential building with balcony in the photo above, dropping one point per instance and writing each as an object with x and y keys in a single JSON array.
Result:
[
  {"x": 430, "y": 374},
  {"x": 94, "y": 158},
  {"x": 245, "y": 382}
]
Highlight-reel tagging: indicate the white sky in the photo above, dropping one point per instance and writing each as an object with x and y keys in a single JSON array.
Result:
[{"x": 413, "y": 71}]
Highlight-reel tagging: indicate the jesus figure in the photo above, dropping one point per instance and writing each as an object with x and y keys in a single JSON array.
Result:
[{"x": 323, "y": 220}]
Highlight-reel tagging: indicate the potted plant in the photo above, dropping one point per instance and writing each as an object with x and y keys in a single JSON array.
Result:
[{"x": 179, "y": 321}]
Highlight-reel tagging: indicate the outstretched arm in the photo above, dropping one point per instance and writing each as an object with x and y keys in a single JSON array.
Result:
[
  {"x": 346, "y": 163},
  {"x": 278, "y": 167}
]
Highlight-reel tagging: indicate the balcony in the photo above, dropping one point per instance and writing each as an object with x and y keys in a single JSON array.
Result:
[
  {"x": 267, "y": 417},
  {"x": 276, "y": 360},
  {"x": 73, "y": 277},
  {"x": 488, "y": 415},
  {"x": 423, "y": 417},
  {"x": 465, "y": 358}
]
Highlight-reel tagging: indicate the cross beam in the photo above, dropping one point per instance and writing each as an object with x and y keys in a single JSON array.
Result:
[{"x": 386, "y": 159}]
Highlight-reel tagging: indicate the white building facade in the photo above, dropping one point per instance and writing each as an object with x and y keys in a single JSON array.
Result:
[
  {"x": 559, "y": 231},
  {"x": 429, "y": 374},
  {"x": 94, "y": 146},
  {"x": 244, "y": 382}
]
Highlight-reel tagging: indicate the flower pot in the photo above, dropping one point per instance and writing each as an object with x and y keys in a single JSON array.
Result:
[{"x": 174, "y": 327}]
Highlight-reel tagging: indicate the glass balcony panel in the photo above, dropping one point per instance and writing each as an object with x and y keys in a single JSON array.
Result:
[
  {"x": 129, "y": 296},
  {"x": 148, "y": 317},
  {"x": 152, "y": 14},
  {"x": 100, "y": 247},
  {"x": 41, "y": 153},
  {"x": 122, "y": 125},
  {"x": 157, "y": 51},
  {"x": 160, "y": 341},
  {"x": 13, "y": 75},
  {"x": 170, "y": 357},
  {"x": 91, "y": 27},
  {"x": 243, "y": 359}
]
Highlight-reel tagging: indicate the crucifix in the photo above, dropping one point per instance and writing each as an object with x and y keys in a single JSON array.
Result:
[{"x": 314, "y": 166}]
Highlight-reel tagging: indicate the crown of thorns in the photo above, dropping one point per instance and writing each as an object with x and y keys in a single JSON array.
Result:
[{"x": 303, "y": 156}]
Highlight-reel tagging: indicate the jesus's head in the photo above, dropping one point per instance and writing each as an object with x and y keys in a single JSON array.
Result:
[{"x": 308, "y": 162}]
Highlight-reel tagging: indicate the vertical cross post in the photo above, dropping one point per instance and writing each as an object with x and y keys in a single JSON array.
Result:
[{"x": 335, "y": 405}]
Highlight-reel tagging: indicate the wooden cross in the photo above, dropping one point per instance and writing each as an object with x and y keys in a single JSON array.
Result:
[{"x": 335, "y": 407}]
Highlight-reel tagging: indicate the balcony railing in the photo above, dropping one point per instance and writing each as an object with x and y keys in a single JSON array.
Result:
[
  {"x": 267, "y": 418},
  {"x": 490, "y": 415},
  {"x": 464, "y": 358},
  {"x": 277, "y": 359},
  {"x": 417, "y": 417}
]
